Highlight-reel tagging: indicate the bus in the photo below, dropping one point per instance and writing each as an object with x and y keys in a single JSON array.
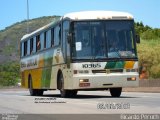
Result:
[{"x": 87, "y": 50}]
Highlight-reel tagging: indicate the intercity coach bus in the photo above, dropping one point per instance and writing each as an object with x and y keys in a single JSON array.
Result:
[{"x": 89, "y": 50}]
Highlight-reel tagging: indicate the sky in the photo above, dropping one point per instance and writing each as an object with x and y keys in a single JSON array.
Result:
[{"x": 12, "y": 11}]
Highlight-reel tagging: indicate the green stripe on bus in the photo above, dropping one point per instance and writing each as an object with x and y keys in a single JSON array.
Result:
[
  {"x": 120, "y": 64},
  {"x": 48, "y": 77},
  {"x": 115, "y": 65},
  {"x": 46, "y": 74},
  {"x": 110, "y": 65}
]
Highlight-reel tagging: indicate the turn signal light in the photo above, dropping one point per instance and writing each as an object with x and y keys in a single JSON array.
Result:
[{"x": 131, "y": 79}]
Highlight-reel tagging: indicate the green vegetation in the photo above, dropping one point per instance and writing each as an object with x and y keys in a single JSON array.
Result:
[
  {"x": 146, "y": 32},
  {"x": 148, "y": 49},
  {"x": 9, "y": 74},
  {"x": 148, "y": 52}
]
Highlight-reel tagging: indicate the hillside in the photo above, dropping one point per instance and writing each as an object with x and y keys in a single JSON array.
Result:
[{"x": 10, "y": 37}]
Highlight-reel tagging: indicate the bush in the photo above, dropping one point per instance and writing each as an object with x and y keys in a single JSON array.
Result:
[
  {"x": 9, "y": 74},
  {"x": 151, "y": 34},
  {"x": 148, "y": 53},
  {"x": 155, "y": 71}
]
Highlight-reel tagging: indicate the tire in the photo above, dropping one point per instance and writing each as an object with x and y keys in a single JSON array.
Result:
[
  {"x": 65, "y": 93},
  {"x": 39, "y": 92},
  {"x": 115, "y": 92},
  {"x": 72, "y": 93},
  {"x": 34, "y": 92}
]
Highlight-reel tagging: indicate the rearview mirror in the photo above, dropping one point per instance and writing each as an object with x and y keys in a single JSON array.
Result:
[{"x": 137, "y": 38}]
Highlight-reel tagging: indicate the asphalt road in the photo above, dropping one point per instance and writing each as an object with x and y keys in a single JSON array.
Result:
[{"x": 86, "y": 102}]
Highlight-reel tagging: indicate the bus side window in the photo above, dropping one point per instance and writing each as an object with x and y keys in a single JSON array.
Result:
[
  {"x": 52, "y": 37},
  {"x": 34, "y": 45},
  {"x": 42, "y": 41},
  {"x": 59, "y": 33},
  {"x": 48, "y": 39},
  {"x": 45, "y": 39},
  {"x": 31, "y": 45},
  {"x": 28, "y": 47},
  {"x": 38, "y": 43},
  {"x": 25, "y": 48},
  {"x": 22, "y": 49},
  {"x": 57, "y": 37}
]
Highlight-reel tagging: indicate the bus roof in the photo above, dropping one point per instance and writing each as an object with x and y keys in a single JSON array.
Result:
[
  {"x": 38, "y": 30},
  {"x": 98, "y": 15},
  {"x": 87, "y": 15}
]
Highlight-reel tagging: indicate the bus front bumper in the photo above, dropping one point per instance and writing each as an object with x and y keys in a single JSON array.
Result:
[{"x": 100, "y": 81}]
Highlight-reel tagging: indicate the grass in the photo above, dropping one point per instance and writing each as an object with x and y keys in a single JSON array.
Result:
[{"x": 148, "y": 53}]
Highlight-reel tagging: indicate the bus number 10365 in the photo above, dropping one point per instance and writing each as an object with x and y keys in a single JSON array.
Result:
[{"x": 91, "y": 65}]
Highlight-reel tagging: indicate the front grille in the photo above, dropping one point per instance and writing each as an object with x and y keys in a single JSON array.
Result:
[
  {"x": 108, "y": 71},
  {"x": 98, "y": 71},
  {"x": 116, "y": 70}
]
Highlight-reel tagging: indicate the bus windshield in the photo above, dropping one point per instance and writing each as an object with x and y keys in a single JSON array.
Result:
[{"x": 103, "y": 39}]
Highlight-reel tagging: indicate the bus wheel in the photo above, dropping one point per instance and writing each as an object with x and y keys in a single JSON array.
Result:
[
  {"x": 65, "y": 93},
  {"x": 31, "y": 90},
  {"x": 72, "y": 93},
  {"x": 34, "y": 92},
  {"x": 115, "y": 92},
  {"x": 39, "y": 92}
]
